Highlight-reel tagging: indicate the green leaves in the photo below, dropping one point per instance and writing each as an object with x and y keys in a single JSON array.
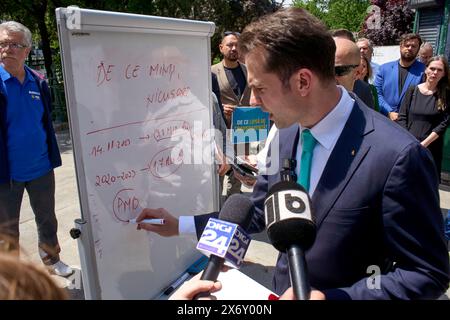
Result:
[{"x": 337, "y": 14}]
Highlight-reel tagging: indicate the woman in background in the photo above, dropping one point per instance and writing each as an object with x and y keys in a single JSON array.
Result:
[
  {"x": 364, "y": 74},
  {"x": 424, "y": 110}
]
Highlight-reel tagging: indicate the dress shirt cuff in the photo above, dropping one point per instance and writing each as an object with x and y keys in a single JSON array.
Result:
[{"x": 186, "y": 225}]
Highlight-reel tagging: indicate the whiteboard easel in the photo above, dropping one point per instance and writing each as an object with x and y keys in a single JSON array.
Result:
[{"x": 138, "y": 94}]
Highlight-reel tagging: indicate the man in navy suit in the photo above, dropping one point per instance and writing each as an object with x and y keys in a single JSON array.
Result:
[
  {"x": 395, "y": 77},
  {"x": 373, "y": 187}
]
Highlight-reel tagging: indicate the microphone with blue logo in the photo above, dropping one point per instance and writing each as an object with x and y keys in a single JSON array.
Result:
[{"x": 224, "y": 240}]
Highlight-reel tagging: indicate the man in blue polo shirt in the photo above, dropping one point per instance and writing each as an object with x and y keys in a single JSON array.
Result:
[{"x": 28, "y": 147}]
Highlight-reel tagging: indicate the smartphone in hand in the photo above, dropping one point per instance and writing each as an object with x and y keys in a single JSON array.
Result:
[{"x": 243, "y": 168}]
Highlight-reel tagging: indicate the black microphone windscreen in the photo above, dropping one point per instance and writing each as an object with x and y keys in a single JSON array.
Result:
[
  {"x": 237, "y": 209},
  {"x": 285, "y": 185},
  {"x": 288, "y": 216}
]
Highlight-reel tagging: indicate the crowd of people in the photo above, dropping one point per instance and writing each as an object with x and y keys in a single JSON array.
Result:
[{"x": 373, "y": 185}]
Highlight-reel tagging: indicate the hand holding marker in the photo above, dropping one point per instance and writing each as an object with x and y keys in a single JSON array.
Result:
[{"x": 150, "y": 221}]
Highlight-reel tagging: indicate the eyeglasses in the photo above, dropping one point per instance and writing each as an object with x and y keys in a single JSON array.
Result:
[
  {"x": 12, "y": 45},
  {"x": 340, "y": 71},
  {"x": 227, "y": 33}
]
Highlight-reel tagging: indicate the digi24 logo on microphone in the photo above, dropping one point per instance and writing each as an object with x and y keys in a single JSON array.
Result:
[
  {"x": 226, "y": 240},
  {"x": 286, "y": 205}
]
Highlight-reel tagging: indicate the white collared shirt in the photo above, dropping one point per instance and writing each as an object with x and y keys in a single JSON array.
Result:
[{"x": 326, "y": 132}]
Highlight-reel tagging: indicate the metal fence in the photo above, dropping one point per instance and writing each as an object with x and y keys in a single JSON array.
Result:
[{"x": 59, "y": 113}]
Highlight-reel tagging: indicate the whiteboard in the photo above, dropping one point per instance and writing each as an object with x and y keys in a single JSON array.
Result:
[
  {"x": 138, "y": 92},
  {"x": 385, "y": 54}
]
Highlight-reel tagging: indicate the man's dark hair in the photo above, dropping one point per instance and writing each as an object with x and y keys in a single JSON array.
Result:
[
  {"x": 230, "y": 33},
  {"x": 411, "y": 36},
  {"x": 343, "y": 33},
  {"x": 291, "y": 39}
]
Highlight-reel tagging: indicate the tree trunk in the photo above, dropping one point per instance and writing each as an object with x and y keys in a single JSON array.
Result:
[
  {"x": 40, "y": 8},
  {"x": 46, "y": 48}
]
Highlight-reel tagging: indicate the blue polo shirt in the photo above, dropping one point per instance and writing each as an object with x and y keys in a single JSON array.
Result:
[{"x": 26, "y": 137}]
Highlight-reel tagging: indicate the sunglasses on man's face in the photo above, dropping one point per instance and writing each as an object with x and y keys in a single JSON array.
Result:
[
  {"x": 340, "y": 71},
  {"x": 227, "y": 33}
]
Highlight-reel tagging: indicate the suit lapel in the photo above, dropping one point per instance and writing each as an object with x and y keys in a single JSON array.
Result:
[
  {"x": 408, "y": 81},
  {"x": 224, "y": 85},
  {"x": 345, "y": 158},
  {"x": 246, "y": 94},
  {"x": 413, "y": 74},
  {"x": 395, "y": 80},
  {"x": 228, "y": 91}
]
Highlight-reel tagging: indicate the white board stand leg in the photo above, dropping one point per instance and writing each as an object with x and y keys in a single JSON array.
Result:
[{"x": 88, "y": 269}]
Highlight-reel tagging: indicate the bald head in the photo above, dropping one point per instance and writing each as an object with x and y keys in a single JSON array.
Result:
[
  {"x": 347, "y": 52},
  {"x": 347, "y": 57},
  {"x": 425, "y": 52}
]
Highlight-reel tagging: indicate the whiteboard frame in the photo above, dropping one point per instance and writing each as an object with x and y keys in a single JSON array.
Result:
[{"x": 96, "y": 20}]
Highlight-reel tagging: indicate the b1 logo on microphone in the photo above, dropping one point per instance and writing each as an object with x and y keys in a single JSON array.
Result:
[
  {"x": 226, "y": 240},
  {"x": 287, "y": 204}
]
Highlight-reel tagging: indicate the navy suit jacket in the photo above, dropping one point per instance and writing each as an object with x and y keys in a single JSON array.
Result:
[
  {"x": 376, "y": 204},
  {"x": 362, "y": 90},
  {"x": 386, "y": 83}
]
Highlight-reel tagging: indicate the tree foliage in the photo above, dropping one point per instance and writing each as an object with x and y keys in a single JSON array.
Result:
[
  {"x": 39, "y": 16},
  {"x": 337, "y": 14},
  {"x": 347, "y": 14},
  {"x": 317, "y": 8},
  {"x": 395, "y": 20}
]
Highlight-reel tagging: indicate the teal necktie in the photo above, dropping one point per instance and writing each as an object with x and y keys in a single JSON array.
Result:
[{"x": 308, "y": 144}]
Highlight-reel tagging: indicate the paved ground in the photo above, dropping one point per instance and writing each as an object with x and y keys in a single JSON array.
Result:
[{"x": 260, "y": 259}]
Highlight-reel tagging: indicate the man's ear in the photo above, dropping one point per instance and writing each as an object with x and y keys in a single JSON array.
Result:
[{"x": 303, "y": 81}]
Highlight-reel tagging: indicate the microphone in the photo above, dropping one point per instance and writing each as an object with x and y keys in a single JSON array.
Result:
[
  {"x": 224, "y": 240},
  {"x": 291, "y": 229}
]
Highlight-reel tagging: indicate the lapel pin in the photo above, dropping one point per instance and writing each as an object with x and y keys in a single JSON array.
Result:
[{"x": 353, "y": 152}]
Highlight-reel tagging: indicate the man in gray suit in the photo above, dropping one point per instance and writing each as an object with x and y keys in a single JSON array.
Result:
[{"x": 232, "y": 78}]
